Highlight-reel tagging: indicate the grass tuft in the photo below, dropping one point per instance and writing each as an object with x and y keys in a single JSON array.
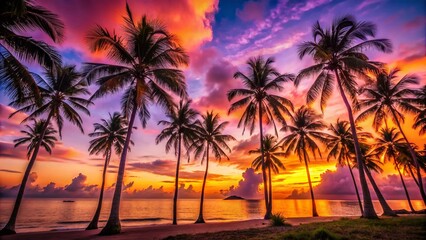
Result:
[{"x": 278, "y": 220}]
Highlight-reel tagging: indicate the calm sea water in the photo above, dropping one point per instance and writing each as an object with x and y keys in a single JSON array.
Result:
[{"x": 54, "y": 214}]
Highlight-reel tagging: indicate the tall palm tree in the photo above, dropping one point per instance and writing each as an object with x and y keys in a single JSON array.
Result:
[
  {"x": 272, "y": 160},
  {"x": 420, "y": 121},
  {"x": 389, "y": 95},
  {"x": 261, "y": 103},
  {"x": 390, "y": 145},
  {"x": 33, "y": 134},
  {"x": 340, "y": 145},
  {"x": 15, "y": 16},
  {"x": 178, "y": 129},
  {"x": 109, "y": 135},
  {"x": 147, "y": 59},
  {"x": 60, "y": 97},
  {"x": 339, "y": 58},
  {"x": 372, "y": 163},
  {"x": 305, "y": 129},
  {"x": 210, "y": 138}
]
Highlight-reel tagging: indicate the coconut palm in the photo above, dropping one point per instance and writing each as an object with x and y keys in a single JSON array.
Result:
[
  {"x": 420, "y": 121},
  {"x": 16, "y": 16},
  {"x": 108, "y": 136},
  {"x": 210, "y": 138},
  {"x": 272, "y": 160},
  {"x": 372, "y": 163},
  {"x": 390, "y": 145},
  {"x": 339, "y": 58},
  {"x": 340, "y": 145},
  {"x": 389, "y": 96},
  {"x": 179, "y": 129},
  {"x": 60, "y": 97},
  {"x": 304, "y": 132},
  {"x": 147, "y": 57},
  {"x": 261, "y": 103}
]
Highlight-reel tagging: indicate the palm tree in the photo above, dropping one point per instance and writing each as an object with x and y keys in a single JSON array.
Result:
[
  {"x": 420, "y": 121},
  {"x": 147, "y": 58},
  {"x": 340, "y": 145},
  {"x": 178, "y": 129},
  {"x": 33, "y": 134},
  {"x": 339, "y": 58},
  {"x": 372, "y": 163},
  {"x": 391, "y": 146},
  {"x": 261, "y": 103},
  {"x": 15, "y": 16},
  {"x": 108, "y": 135},
  {"x": 388, "y": 95},
  {"x": 60, "y": 98},
  {"x": 272, "y": 160},
  {"x": 210, "y": 138},
  {"x": 305, "y": 129}
]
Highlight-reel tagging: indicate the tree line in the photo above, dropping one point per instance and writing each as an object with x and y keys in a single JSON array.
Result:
[{"x": 146, "y": 60}]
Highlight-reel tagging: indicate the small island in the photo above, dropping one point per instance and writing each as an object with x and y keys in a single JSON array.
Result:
[{"x": 233, "y": 197}]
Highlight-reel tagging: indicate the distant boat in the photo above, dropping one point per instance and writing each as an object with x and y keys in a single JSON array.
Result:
[
  {"x": 233, "y": 197},
  {"x": 68, "y": 201}
]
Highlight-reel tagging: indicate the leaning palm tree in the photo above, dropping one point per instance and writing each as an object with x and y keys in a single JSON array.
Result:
[
  {"x": 109, "y": 135},
  {"x": 261, "y": 103},
  {"x": 210, "y": 138},
  {"x": 179, "y": 129},
  {"x": 305, "y": 129},
  {"x": 339, "y": 58},
  {"x": 391, "y": 145},
  {"x": 272, "y": 160},
  {"x": 60, "y": 97},
  {"x": 340, "y": 144},
  {"x": 372, "y": 163},
  {"x": 15, "y": 16},
  {"x": 389, "y": 96},
  {"x": 420, "y": 121},
  {"x": 147, "y": 59}
]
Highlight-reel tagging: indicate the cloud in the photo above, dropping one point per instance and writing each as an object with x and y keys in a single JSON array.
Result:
[
  {"x": 248, "y": 187},
  {"x": 339, "y": 185},
  {"x": 252, "y": 11},
  {"x": 9, "y": 171},
  {"x": 367, "y": 3}
]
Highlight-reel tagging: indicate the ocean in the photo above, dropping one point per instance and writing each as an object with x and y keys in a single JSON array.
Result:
[{"x": 55, "y": 214}]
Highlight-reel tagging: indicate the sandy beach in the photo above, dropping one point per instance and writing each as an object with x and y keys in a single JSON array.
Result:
[{"x": 162, "y": 231}]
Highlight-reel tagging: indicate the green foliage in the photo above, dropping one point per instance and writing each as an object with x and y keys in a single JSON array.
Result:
[
  {"x": 277, "y": 219},
  {"x": 323, "y": 234}
]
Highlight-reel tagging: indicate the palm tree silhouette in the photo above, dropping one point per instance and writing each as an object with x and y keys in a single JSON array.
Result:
[
  {"x": 261, "y": 103},
  {"x": 387, "y": 95},
  {"x": 305, "y": 129},
  {"x": 210, "y": 137},
  {"x": 340, "y": 144},
  {"x": 60, "y": 96},
  {"x": 420, "y": 121},
  {"x": 372, "y": 163},
  {"x": 15, "y": 16},
  {"x": 272, "y": 160},
  {"x": 109, "y": 135},
  {"x": 148, "y": 57},
  {"x": 391, "y": 146},
  {"x": 339, "y": 58},
  {"x": 178, "y": 129}
]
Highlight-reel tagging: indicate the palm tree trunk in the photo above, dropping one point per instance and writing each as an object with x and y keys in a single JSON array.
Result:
[
  {"x": 414, "y": 157},
  {"x": 94, "y": 223},
  {"x": 175, "y": 197},
  {"x": 200, "y": 215},
  {"x": 356, "y": 187},
  {"x": 368, "y": 203},
  {"x": 387, "y": 210},
  {"x": 406, "y": 191},
  {"x": 314, "y": 207},
  {"x": 262, "y": 154},
  {"x": 270, "y": 190},
  {"x": 10, "y": 226},
  {"x": 113, "y": 226},
  {"x": 412, "y": 175}
]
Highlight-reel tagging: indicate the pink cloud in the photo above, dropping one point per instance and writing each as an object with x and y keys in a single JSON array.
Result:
[
  {"x": 248, "y": 187},
  {"x": 252, "y": 10}
]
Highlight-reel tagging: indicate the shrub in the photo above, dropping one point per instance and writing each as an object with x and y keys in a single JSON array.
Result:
[
  {"x": 323, "y": 234},
  {"x": 278, "y": 219}
]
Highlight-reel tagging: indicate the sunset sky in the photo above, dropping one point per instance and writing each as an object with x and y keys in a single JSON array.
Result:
[{"x": 219, "y": 37}]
